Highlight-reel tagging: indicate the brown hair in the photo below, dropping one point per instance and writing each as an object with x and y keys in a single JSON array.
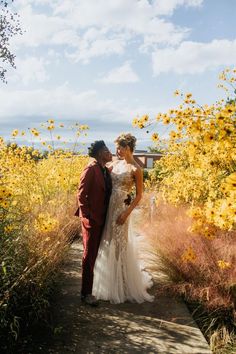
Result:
[{"x": 126, "y": 140}]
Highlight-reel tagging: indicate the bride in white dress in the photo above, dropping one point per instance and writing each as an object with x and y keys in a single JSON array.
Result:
[{"x": 118, "y": 275}]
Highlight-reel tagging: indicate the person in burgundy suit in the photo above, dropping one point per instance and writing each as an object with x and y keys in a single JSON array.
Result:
[{"x": 93, "y": 199}]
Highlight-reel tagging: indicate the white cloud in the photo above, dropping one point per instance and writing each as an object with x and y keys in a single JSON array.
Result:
[
  {"x": 61, "y": 102},
  {"x": 88, "y": 49},
  {"x": 65, "y": 37},
  {"x": 194, "y": 57},
  {"x": 159, "y": 31},
  {"x": 65, "y": 103},
  {"x": 166, "y": 7},
  {"x": 95, "y": 28},
  {"x": 118, "y": 13},
  {"x": 39, "y": 28},
  {"x": 122, "y": 74},
  {"x": 31, "y": 69},
  {"x": 131, "y": 18}
]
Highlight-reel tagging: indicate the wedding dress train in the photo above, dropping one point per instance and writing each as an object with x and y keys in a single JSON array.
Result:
[{"x": 118, "y": 274}]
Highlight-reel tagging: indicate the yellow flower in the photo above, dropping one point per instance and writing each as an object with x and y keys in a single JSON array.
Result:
[
  {"x": 208, "y": 233},
  {"x": 8, "y": 229},
  {"x": 51, "y": 121},
  {"x": 140, "y": 125},
  {"x": 155, "y": 137},
  {"x": 135, "y": 122},
  {"x": 231, "y": 181},
  {"x": 197, "y": 111},
  {"x": 188, "y": 95},
  {"x": 166, "y": 120},
  {"x": 195, "y": 212},
  {"x": 15, "y": 133},
  {"x": 176, "y": 93},
  {"x": 51, "y": 127},
  {"x": 189, "y": 255},
  {"x": 223, "y": 265},
  {"x": 4, "y": 204},
  {"x": 173, "y": 135},
  {"x": 35, "y": 153},
  {"x": 145, "y": 118},
  {"x": 209, "y": 137},
  {"x": 84, "y": 127},
  {"x": 45, "y": 223},
  {"x": 34, "y": 131}
]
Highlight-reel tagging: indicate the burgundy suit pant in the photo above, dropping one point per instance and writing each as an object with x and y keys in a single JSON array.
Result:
[{"x": 91, "y": 240}]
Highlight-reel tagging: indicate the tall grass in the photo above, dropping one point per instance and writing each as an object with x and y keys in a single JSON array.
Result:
[
  {"x": 200, "y": 269},
  {"x": 37, "y": 223}
]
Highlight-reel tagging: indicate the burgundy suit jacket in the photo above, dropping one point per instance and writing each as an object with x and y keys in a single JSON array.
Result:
[{"x": 91, "y": 194}]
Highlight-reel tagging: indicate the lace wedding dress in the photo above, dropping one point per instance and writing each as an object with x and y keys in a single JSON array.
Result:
[{"x": 118, "y": 275}]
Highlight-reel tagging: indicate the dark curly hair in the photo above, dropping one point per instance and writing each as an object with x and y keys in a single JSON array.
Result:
[{"x": 95, "y": 147}]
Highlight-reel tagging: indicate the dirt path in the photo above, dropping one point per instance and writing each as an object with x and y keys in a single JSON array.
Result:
[{"x": 163, "y": 326}]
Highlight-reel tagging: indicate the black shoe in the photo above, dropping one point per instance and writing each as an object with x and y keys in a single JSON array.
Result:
[{"x": 89, "y": 300}]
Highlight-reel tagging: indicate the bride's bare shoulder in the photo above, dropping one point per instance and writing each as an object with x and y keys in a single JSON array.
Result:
[
  {"x": 137, "y": 166},
  {"x": 137, "y": 169}
]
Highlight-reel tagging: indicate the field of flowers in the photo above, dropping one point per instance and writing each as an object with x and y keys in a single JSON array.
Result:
[
  {"x": 195, "y": 227},
  {"x": 37, "y": 203}
]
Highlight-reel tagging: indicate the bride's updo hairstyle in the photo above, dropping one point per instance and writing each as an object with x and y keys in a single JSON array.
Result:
[{"x": 126, "y": 140}]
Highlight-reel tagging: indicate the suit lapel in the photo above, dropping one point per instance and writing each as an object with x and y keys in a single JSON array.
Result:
[{"x": 99, "y": 175}]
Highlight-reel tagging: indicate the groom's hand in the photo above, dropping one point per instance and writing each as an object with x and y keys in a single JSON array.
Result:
[
  {"x": 127, "y": 201},
  {"x": 86, "y": 222}
]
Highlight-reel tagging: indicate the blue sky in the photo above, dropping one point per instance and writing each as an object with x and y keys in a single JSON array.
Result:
[{"x": 101, "y": 62}]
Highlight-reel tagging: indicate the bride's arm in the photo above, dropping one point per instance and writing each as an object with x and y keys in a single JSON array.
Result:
[{"x": 138, "y": 175}]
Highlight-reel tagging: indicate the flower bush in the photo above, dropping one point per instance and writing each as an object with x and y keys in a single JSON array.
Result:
[
  {"x": 197, "y": 175},
  {"x": 37, "y": 204},
  {"x": 199, "y": 167}
]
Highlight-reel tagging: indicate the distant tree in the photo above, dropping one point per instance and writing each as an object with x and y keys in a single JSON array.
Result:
[
  {"x": 155, "y": 150},
  {"x": 9, "y": 27}
]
